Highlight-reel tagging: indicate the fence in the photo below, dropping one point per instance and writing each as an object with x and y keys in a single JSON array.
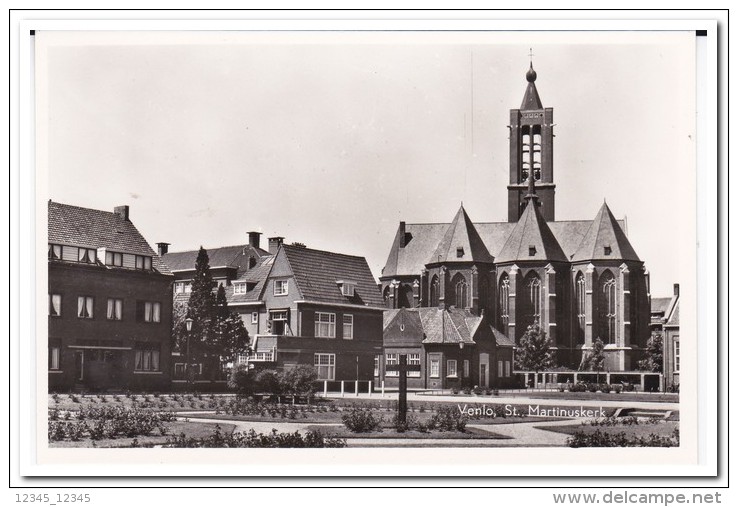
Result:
[{"x": 544, "y": 381}]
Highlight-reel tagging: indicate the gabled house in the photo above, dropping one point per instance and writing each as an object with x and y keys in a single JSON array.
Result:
[
  {"x": 322, "y": 309},
  {"x": 110, "y": 303},
  {"x": 453, "y": 347}
]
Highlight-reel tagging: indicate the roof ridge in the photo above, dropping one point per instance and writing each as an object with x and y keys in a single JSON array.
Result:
[
  {"x": 83, "y": 208},
  {"x": 304, "y": 248}
]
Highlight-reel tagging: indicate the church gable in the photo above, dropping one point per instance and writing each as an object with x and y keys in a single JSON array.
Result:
[
  {"x": 531, "y": 240},
  {"x": 461, "y": 243}
]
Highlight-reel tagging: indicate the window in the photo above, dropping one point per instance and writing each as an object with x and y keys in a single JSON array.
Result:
[
  {"x": 146, "y": 358},
  {"x": 267, "y": 356},
  {"x": 326, "y": 366},
  {"x": 676, "y": 356},
  {"x": 239, "y": 288},
  {"x": 500, "y": 368},
  {"x": 466, "y": 368},
  {"x": 434, "y": 288},
  {"x": 115, "y": 309},
  {"x": 55, "y": 305},
  {"x": 505, "y": 299},
  {"x": 391, "y": 360},
  {"x": 113, "y": 259},
  {"x": 581, "y": 304},
  {"x": 54, "y": 356},
  {"x": 607, "y": 307},
  {"x": 188, "y": 288},
  {"x": 143, "y": 262},
  {"x": 534, "y": 298},
  {"x": 84, "y": 307},
  {"x": 451, "y": 368},
  {"x": 87, "y": 255},
  {"x": 55, "y": 252},
  {"x": 608, "y": 250},
  {"x": 348, "y": 327},
  {"x": 278, "y": 322},
  {"x": 531, "y": 250},
  {"x": 280, "y": 287},
  {"x": 254, "y": 317},
  {"x": 325, "y": 325},
  {"x": 459, "y": 251},
  {"x": 507, "y": 368},
  {"x": 525, "y": 169},
  {"x": 413, "y": 359},
  {"x": 348, "y": 289},
  {"x": 179, "y": 288},
  {"x": 376, "y": 366},
  {"x": 435, "y": 368},
  {"x": 462, "y": 291},
  {"x": 151, "y": 311}
]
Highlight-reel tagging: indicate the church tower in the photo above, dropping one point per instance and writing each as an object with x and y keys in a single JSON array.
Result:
[{"x": 531, "y": 150}]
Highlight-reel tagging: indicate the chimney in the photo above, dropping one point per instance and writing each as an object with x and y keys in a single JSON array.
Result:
[
  {"x": 121, "y": 211},
  {"x": 676, "y": 289},
  {"x": 402, "y": 235},
  {"x": 163, "y": 248},
  {"x": 254, "y": 239},
  {"x": 274, "y": 244}
]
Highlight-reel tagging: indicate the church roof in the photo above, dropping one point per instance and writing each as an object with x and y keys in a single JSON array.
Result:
[
  {"x": 531, "y": 239},
  {"x": 423, "y": 239},
  {"x": 461, "y": 242},
  {"x": 605, "y": 240}
]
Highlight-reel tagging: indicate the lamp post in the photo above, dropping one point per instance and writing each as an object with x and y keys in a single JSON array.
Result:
[{"x": 188, "y": 325}]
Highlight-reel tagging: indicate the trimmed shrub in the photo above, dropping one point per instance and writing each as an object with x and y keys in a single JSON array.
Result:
[{"x": 362, "y": 420}]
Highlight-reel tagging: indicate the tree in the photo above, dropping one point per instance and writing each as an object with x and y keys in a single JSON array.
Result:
[
  {"x": 200, "y": 305},
  {"x": 229, "y": 337},
  {"x": 534, "y": 352},
  {"x": 595, "y": 359},
  {"x": 654, "y": 360}
]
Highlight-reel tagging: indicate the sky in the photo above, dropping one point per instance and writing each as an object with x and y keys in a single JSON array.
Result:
[{"x": 332, "y": 139}]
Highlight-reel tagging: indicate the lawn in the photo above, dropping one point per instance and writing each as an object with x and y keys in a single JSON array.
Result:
[
  {"x": 389, "y": 432},
  {"x": 663, "y": 429}
]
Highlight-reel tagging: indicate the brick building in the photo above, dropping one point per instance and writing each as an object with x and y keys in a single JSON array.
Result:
[
  {"x": 300, "y": 306},
  {"x": 665, "y": 320},
  {"x": 110, "y": 303},
  {"x": 579, "y": 279}
]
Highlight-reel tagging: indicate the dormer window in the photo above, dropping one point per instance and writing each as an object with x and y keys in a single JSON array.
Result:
[
  {"x": 460, "y": 251},
  {"x": 531, "y": 250},
  {"x": 239, "y": 288},
  {"x": 55, "y": 252},
  {"x": 608, "y": 250},
  {"x": 348, "y": 288},
  {"x": 113, "y": 258},
  {"x": 87, "y": 255},
  {"x": 143, "y": 262}
]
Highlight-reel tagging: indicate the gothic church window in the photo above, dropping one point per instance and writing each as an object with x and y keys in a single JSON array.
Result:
[
  {"x": 434, "y": 287},
  {"x": 533, "y": 288},
  {"x": 462, "y": 291},
  {"x": 581, "y": 306},
  {"x": 504, "y": 299},
  {"x": 607, "y": 307}
]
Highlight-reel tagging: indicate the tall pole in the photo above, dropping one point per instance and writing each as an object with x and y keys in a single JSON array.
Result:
[{"x": 187, "y": 368}]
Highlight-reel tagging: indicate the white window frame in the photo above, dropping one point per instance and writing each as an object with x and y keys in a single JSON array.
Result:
[
  {"x": 391, "y": 359},
  {"x": 254, "y": 317},
  {"x": 52, "y": 299},
  {"x": 376, "y": 365},
  {"x": 239, "y": 288},
  {"x": 117, "y": 304},
  {"x": 348, "y": 325},
  {"x": 281, "y": 287},
  {"x": 452, "y": 372},
  {"x": 325, "y": 364},
  {"x": 677, "y": 358},
  {"x": 152, "y": 312},
  {"x": 348, "y": 289},
  {"x": 87, "y": 310},
  {"x": 413, "y": 359},
  {"x": 55, "y": 358},
  {"x": 434, "y": 368},
  {"x": 325, "y": 328}
]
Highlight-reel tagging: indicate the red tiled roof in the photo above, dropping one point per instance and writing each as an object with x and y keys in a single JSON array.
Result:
[
  {"x": 91, "y": 228},
  {"x": 317, "y": 272}
]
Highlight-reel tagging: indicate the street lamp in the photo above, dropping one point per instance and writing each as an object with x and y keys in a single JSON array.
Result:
[{"x": 188, "y": 326}]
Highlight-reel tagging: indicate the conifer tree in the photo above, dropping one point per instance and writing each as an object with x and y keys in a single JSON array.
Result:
[
  {"x": 229, "y": 336},
  {"x": 654, "y": 360}
]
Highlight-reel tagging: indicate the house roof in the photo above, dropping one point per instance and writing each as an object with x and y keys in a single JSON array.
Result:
[
  {"x": 403, "y": 326},
  {"x": 423, "y": 239},
  {"x": 531, "y": 234},
  {"x": 659, "y": 305},
  {"x": 502, "y": 339},
  {"x": 317, "y": 272},
  {"x": 236, "y": 256},
  {"x": 673, "y": 317},
  {"x": 605, "y": 232},
  {"x": 448, "y": 325},
  {"x": 91, "y": 228},
  {"x": 257, "y": 276},
  {"x": 461, "y": 242}
]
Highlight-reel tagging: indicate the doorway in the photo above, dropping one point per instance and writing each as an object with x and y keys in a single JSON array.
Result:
[{"x": 484, "y": 370}]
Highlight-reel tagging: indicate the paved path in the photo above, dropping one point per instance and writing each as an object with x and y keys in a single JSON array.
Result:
[
  {"x": 522, "y": 434},
  {"x": 515, "y": 400}
]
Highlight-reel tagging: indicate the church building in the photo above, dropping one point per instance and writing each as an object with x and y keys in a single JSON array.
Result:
[{"x": 580, "y": 280}]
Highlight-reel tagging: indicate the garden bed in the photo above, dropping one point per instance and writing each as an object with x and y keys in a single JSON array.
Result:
[{"x": 389, "y": 432}]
